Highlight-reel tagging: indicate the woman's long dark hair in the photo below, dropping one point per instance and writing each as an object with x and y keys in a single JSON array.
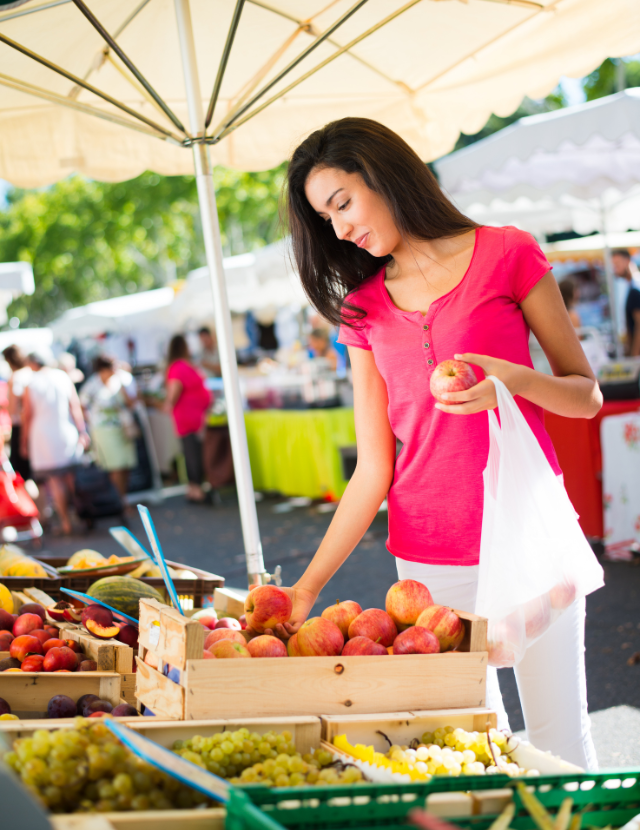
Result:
[
  {"x": 178, "y": 349},
  {"x": 330, "y": 268}
]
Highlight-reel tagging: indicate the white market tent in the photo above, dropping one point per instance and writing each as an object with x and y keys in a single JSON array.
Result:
[
  {"x": 576, "y": 168},
  {"x": 109, "y": 88}
]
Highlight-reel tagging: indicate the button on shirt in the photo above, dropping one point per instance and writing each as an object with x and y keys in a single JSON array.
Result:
[{"x": 435, "y": 500}]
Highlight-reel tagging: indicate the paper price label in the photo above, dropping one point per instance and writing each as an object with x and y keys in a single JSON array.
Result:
[{"x": 154, "y": 633}]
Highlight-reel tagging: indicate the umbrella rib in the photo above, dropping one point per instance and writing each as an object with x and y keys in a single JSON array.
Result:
[
  {"x": 53, "y": 97},
  {"x": 129, "y": 64},
  {"x": 89, "y": 87},
  {"x": 233, "y": 28},
  {"x": 230, "y": 127},
  {"x": 43, "y": 8},
  {"x": 229, "y": 120}
]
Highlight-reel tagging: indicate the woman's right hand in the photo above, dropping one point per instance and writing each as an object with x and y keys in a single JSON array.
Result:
[{"x": 303, "y": 601}]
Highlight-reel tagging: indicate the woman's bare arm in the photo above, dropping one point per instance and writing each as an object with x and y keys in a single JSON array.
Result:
[
  {"x": 365, "y": 492},
  {"x": 573, "y": 390}
]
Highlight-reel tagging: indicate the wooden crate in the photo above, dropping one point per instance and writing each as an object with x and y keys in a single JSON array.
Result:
[
  {"x": 28, "y": 693},
  {"x": 110, "y": 655},
  {"x": 211, "y": 819},
  {"x": 300, "y": 685}
]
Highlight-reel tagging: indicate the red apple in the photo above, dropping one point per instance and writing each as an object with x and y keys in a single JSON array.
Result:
[
  {"x": 292, "y": 646},
  {"x": 375, "y": 624},
  {"x": 24, "y": 645},
  {"x": 266, "y": 607},
  {"x": 318, "y": 637},
  {"x": 26, "y": 623},
  {"x": 6, "y": 620},
  {"x": 226, "y": 649},
  {"x": 208, "y": 621},
  {"x": 243, "y": 621},
  {"x": 561, "y": 596},
  {"x": 224, "y": 634},
  {"x": 266, "y": 646},
  {"x": 445, "y": 624},
  {"x": 451, "y": 376},
  {"x": 342, "y": 614},
  {"x": 33, "y": 662},
  {"x": 362, "y": 646},
  {"x": 227, "y": 622},
  {"x": 206, "y": 655},
  {"x": 405, "y": 601},
  {"x": 416, "y": 640}
]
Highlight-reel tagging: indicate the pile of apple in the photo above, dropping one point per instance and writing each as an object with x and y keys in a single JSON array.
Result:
[
  {"x": 35, "y": 646},
  {"x": 410, "y": 624}
]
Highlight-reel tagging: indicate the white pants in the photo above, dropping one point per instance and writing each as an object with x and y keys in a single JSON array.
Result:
[{"x": 551, "y": 676}]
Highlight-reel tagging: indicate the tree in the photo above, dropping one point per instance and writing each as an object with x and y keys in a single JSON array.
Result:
[
  {"x": 612, "y": 75},
  {"x": 91, "y": 240}
]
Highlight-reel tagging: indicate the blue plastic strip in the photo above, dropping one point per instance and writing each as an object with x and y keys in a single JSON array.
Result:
[
  {"x": 190, "y": 774},
  {"x": 93, "y": 601},
  {"x": 116, "y": 533},
  {"x": 150, "y": 530}
]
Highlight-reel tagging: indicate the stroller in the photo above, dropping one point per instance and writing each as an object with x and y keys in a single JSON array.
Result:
[{"x": 19, "y": 516}]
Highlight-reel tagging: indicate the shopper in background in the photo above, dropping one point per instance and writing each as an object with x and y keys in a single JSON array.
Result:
[
  {"x": 568, "y": 290},
  {"x": 320, "y": 346},
  {"x": 18, "y": 382},
  {"x": 209, "y": 360},
  {"x": 67, "y": 362},
  {"x": 53, "y": 432},
  {"x": 107, "y": 405},
  {"x": 187, "y": 401},
  {"x": 625, "y": 277}
]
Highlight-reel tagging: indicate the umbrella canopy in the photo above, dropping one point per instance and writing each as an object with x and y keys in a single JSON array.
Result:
[{"x": 427, "y": 69}]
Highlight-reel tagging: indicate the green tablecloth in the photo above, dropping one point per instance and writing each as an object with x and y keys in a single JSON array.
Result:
[{"x": 296, "y": 452}]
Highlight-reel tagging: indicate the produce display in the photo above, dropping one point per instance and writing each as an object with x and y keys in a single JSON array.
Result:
[
  {"x": 86, "y": 769},
  {"x": 410, "y": 624},
  {"x": 86, "y": 559},
  {"x": 245, "y": 757},
  {"x": 35, "y": 646},
  {"x": 123, "y": 593},
  {"x": 14, "y": 562},
  {"x": 446, "y": 751}
]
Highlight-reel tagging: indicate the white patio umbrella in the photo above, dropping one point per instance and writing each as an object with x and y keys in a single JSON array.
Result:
[
  {"x": 109, "y": 88},
  {"x": 576, "y": 168}
]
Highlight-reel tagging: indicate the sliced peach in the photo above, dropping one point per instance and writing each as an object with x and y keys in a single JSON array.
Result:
[
  {"x": 100, "y": 631},
  {"x": 56, "y": 612}
]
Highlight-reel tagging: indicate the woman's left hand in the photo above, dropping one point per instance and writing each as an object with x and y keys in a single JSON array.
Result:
[{"x": 482, "y": 396}]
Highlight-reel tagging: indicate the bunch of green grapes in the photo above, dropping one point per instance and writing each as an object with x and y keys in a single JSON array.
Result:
[
  {"x": 449, "y": 751},
  {"x": 86, "y": 769},
  {"x": 246, "y": 757}
]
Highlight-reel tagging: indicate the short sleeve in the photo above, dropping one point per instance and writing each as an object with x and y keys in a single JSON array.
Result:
[
  {"x": 176, "y": 371},
  {"x": 525, "y": 263},
  {"x": 356, "y": 334}
]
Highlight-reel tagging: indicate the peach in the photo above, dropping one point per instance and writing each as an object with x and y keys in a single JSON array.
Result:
[
  {"x": 405, "y": 601},
  {"x": 24, "y": 645},
  {"x": 74, "y": 645},
  {"x": 342, "y": 614},
  {"x": 416, "y": 640},
  {"x": 88, "y": 665},
  {"x": 226, "y": 649},
  {"x": 292, "y": 646},
  {"x": 40, "y": 634},
  {"x": 224, "y": 634},
  {"x": 6, "y": 638},
  {"x": 128, "y": 635},
  {"x": 319, "y": 637},
  {"x": 33, "y": 662},
  {"x": 56, "y": 611},
  {"x": 52, "y": 643},
  {"x": 72, "y": 614},
  {"x": 6, "y": 620},
  {"x": 375, "y": 624},
  {"x": 266, "y": 646},
  {"x": 362, "y": 646},
  {"x": 26, "y": 623},
  {"x": 445, "y": 624},
  {"x": 60, "y": 658},
  {"x": 34, "y": 608},
  {"x": 102, "y": 632},
  {"x": 266, "y": 607}
]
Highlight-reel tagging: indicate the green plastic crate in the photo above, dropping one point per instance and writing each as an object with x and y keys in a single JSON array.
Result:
[{"x": 608, "y": 798}]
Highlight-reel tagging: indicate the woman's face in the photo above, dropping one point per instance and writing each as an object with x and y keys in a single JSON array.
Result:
[{"x": 356, "y": 212}]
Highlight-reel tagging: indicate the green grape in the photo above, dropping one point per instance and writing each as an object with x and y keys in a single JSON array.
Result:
[
  {"x": 281, "y": 780},
  {"x": 264, "y": 748},
  {"x": 227, "y": 747},
  {"x": 123, "y": 784},
  {"x": 140, "y": 802}
]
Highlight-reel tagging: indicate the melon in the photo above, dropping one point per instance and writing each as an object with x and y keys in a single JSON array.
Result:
[
  {"x": 123, "y": 593},
  {"x": 85, "y": 558}
]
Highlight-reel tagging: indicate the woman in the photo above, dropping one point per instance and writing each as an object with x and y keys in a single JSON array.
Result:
[
  {"x": 107, "y": 405},
  {"x": 18, "y": 382},
  {"x": 53, "y": 432},
  {"x": 424, "y": 284},
  {"x": 187, "y": 400}
]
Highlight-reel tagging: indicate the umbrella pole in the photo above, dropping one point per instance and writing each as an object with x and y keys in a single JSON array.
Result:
[
  {"x": 611, "y": 287},
  {"x": 213, "y": 247}
]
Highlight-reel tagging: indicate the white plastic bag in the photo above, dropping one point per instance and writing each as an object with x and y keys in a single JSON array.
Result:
[{"x": 534, "y": 558}]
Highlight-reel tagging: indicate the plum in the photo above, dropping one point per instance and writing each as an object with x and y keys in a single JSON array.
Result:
[
  {"x": 61, "y": 706},
  {"x": 6, "y": 620},
  {"x": 9, "y": 663},
  {"x": 88, "y": 665},
  {"x": 97, "y": 705},
  {"x": 128, "y": 635},
  {"x": 5, "y": 709},
  {"x": 82, "y": 701},
  {"x": 34, "y": 608},
  {"x": 124, "y": 710}
]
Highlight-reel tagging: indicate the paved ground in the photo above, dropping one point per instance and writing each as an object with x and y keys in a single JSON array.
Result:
[{"x": 210, "y": 538}]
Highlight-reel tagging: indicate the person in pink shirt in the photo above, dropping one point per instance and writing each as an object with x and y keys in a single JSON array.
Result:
[
  {"x": 413, "y": 282},
  {"x": 187, "y": 400}
]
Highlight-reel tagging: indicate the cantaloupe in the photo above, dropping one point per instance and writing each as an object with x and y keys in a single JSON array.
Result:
[{"x": 123, "y": 593}]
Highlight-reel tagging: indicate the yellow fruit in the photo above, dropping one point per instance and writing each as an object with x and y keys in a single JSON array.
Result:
[
  {"x": 9, "y": 717},
  {"x": 6, "y": 600},
  {"x": 89, "y": 559},
  {"x": 147, "y": 568},
  {"x": 26, "y": 567}
]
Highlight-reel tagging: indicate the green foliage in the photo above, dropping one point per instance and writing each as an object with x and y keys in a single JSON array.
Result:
[
  {"x": 91, "y": 240},
  {"x": 609, "y": 77}
]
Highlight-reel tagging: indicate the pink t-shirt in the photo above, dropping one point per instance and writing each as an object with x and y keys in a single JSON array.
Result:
[
  {"x": 194, "y": 400},
  {"x": 435, "y": 500}
]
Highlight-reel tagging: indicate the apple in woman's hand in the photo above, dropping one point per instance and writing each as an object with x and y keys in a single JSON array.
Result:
[{"x": 451, "y": 376}]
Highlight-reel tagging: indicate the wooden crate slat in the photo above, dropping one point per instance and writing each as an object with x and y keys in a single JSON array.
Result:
[
  {"x": 164, "y": 697},
  {"x": 110, "y": 655},
  {"x": 168, "y": 633},
  {"x": 28, "y": 693}
]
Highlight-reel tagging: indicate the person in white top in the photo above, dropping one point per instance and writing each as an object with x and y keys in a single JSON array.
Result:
[
  {"x": 53, "y": 432},
  {"x": 18, "y": 382}
]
